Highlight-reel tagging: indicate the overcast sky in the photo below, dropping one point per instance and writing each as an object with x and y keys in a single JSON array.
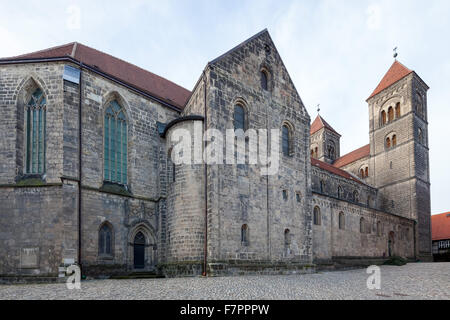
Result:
[{"x": 336, "y": 51}]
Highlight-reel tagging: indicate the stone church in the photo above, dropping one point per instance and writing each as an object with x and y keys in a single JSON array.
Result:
[{"x": 87, "y": 178}]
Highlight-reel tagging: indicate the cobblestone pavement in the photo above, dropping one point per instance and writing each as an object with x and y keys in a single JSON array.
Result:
[{"x": 413, "y": 281}]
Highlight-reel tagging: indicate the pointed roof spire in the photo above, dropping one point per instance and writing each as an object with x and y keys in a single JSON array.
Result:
[
  {"x": 396, "y": 72},
  {"x": 320, "y": 123}
]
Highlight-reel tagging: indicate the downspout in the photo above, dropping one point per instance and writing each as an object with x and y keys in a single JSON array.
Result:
[
  {"x": 79, "y": 165},
  {"x": 205, "y": 127}
]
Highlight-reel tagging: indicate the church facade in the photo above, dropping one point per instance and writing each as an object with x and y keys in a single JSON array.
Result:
[{"x": 87, "y": 174}]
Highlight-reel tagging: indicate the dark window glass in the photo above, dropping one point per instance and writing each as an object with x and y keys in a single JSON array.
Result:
[
  {"x": 239, "y": 118},
  {"x": 105, "y": 240},
  {"x": 264, "y": 80},
  {"x": 285, "y": 141}
]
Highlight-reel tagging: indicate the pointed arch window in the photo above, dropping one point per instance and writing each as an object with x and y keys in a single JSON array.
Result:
[
  {"x": 105, "y": 240},
  {"x": 35, "y": 122},
  {"x": 115, "y": 144}
]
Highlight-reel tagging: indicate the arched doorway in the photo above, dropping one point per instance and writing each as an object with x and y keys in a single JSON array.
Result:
[
  {"x": 139, "y": 251},
  {"x": 391, "y": 243}
]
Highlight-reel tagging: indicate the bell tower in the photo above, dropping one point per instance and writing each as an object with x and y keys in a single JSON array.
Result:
[
  {"x": 325, "y": 141},
  {"x": 399, "y": 151}
]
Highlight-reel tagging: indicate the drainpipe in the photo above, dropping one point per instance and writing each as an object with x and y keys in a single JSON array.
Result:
[
  {"x": 205, "y": 127},
  {"x": 79, "y": 165}
]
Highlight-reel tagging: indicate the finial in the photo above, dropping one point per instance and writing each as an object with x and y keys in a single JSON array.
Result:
[
  {"x": 318, "y": 108},
  {"x": 395, "y": 53}
]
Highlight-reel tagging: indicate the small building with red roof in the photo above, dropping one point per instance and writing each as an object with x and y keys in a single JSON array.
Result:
[{"x": 440, "y": 235}]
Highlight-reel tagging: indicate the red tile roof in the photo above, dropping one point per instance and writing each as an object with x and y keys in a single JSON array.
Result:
[
  {"x": 352, "y": 156},
  {"x": 397, "y": 72},
  {"x": 320, "y": 123},
  {"x": 440, "y": 226},
  {"x": 139, "y": 78},
  {"x": 334, "y": 170}
]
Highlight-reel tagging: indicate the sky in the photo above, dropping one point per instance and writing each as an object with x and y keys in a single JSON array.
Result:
[{"x": 336, "y": 51}]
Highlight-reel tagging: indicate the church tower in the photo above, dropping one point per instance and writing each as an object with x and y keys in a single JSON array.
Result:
[
  {"x": 325, "y": 141},
  {"x": 399, "y": 151}
]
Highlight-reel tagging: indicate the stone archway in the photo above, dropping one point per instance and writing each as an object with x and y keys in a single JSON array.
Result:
[{"x": 142, "y": 255}]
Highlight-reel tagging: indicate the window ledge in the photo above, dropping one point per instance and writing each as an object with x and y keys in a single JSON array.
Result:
[
  {"x": 115, "y": 188},
  {"x": 30, "y": 180}
]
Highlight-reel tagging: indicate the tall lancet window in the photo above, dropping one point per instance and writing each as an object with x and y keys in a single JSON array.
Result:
[
  {"x": 115, "y": 153},
  {"x": 35, "y": 133}
]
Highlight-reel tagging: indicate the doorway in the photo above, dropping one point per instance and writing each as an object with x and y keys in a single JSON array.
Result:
[{"x": 139, "y": 251}]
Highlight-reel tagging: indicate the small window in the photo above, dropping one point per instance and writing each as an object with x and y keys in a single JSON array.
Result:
[
  {"x": 317, "y": 217},
  {"x": 356, "y": 196},
  {"x": 361, "y": 173},
  {"x": 341, "y": 221},
  {"x": 379, "y": 228},
  {"x": 264, "y": 80},
  {"x": 244, "y": 235},
  {"x": 287, "y": 238},
  {"x": 322, "y": 186},
  {"x": 285, "y": 195},
  {"x": 340, "y": 192},
  {"x": 239, "y": 117},
  {"x": 420, "y": 136},
  {"x": 388, "y": 143},
  {"x": 394, "y": 140},
  {"x": 362, "y": 225},
  {"x": 397, "y": 110},
  {"x": 298, "y": 197},
  {"x": 391, "y": 114},
  {"x": 383, "y": 117},
  {"x": 366, "y": 172}
]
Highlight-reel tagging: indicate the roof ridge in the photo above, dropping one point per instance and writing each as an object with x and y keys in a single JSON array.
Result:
[
  {"x": 132, "y": 64},
  {"x": 39, "y": 51},
  {"x": 239, "y": 45}
]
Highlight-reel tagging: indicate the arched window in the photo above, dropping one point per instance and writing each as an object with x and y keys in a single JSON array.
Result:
[
  {"x": 317, "y": 217},
  {"x": 312, "y": 153},
  {"x": 388, "y": 143},
  {"x": 35, "y": 133},
  {"x": 286, "y": 136},
  {"x": 394, "y": 140},
  {"x": 379, "y": 228},
  {"x": 322, "y": 186},
  {"x": 105, "y": 240},
  {"x": 115, "y": 153},
  {"x": 383, "y": 117},
  {"x": 341, "y": 221},
  {"x": 264, "y": 80},
  {"x": 390, "y": 114},
  {"x": 361, "y": 173},
  {"x": 340, "y": 192},
  {"x": 366, "y": 172},
  {"x": 244, "y": 235},
  {"x": 171, "y": 167},
  {"x": 316, "y": 152},
  {"x": 362, "y": 225},
  {"x": 356, "y": 196},
  {"x": 287, "y": 238},
  {"x": 239, "y": 117},
  {"x": 397, "y": 110},
  {"x": 331, "y": 150}
]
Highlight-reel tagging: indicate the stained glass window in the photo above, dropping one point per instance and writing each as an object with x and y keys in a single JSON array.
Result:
[
  {"x": 35, "y": 133},
  {"x": 115, "y": 152}
]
